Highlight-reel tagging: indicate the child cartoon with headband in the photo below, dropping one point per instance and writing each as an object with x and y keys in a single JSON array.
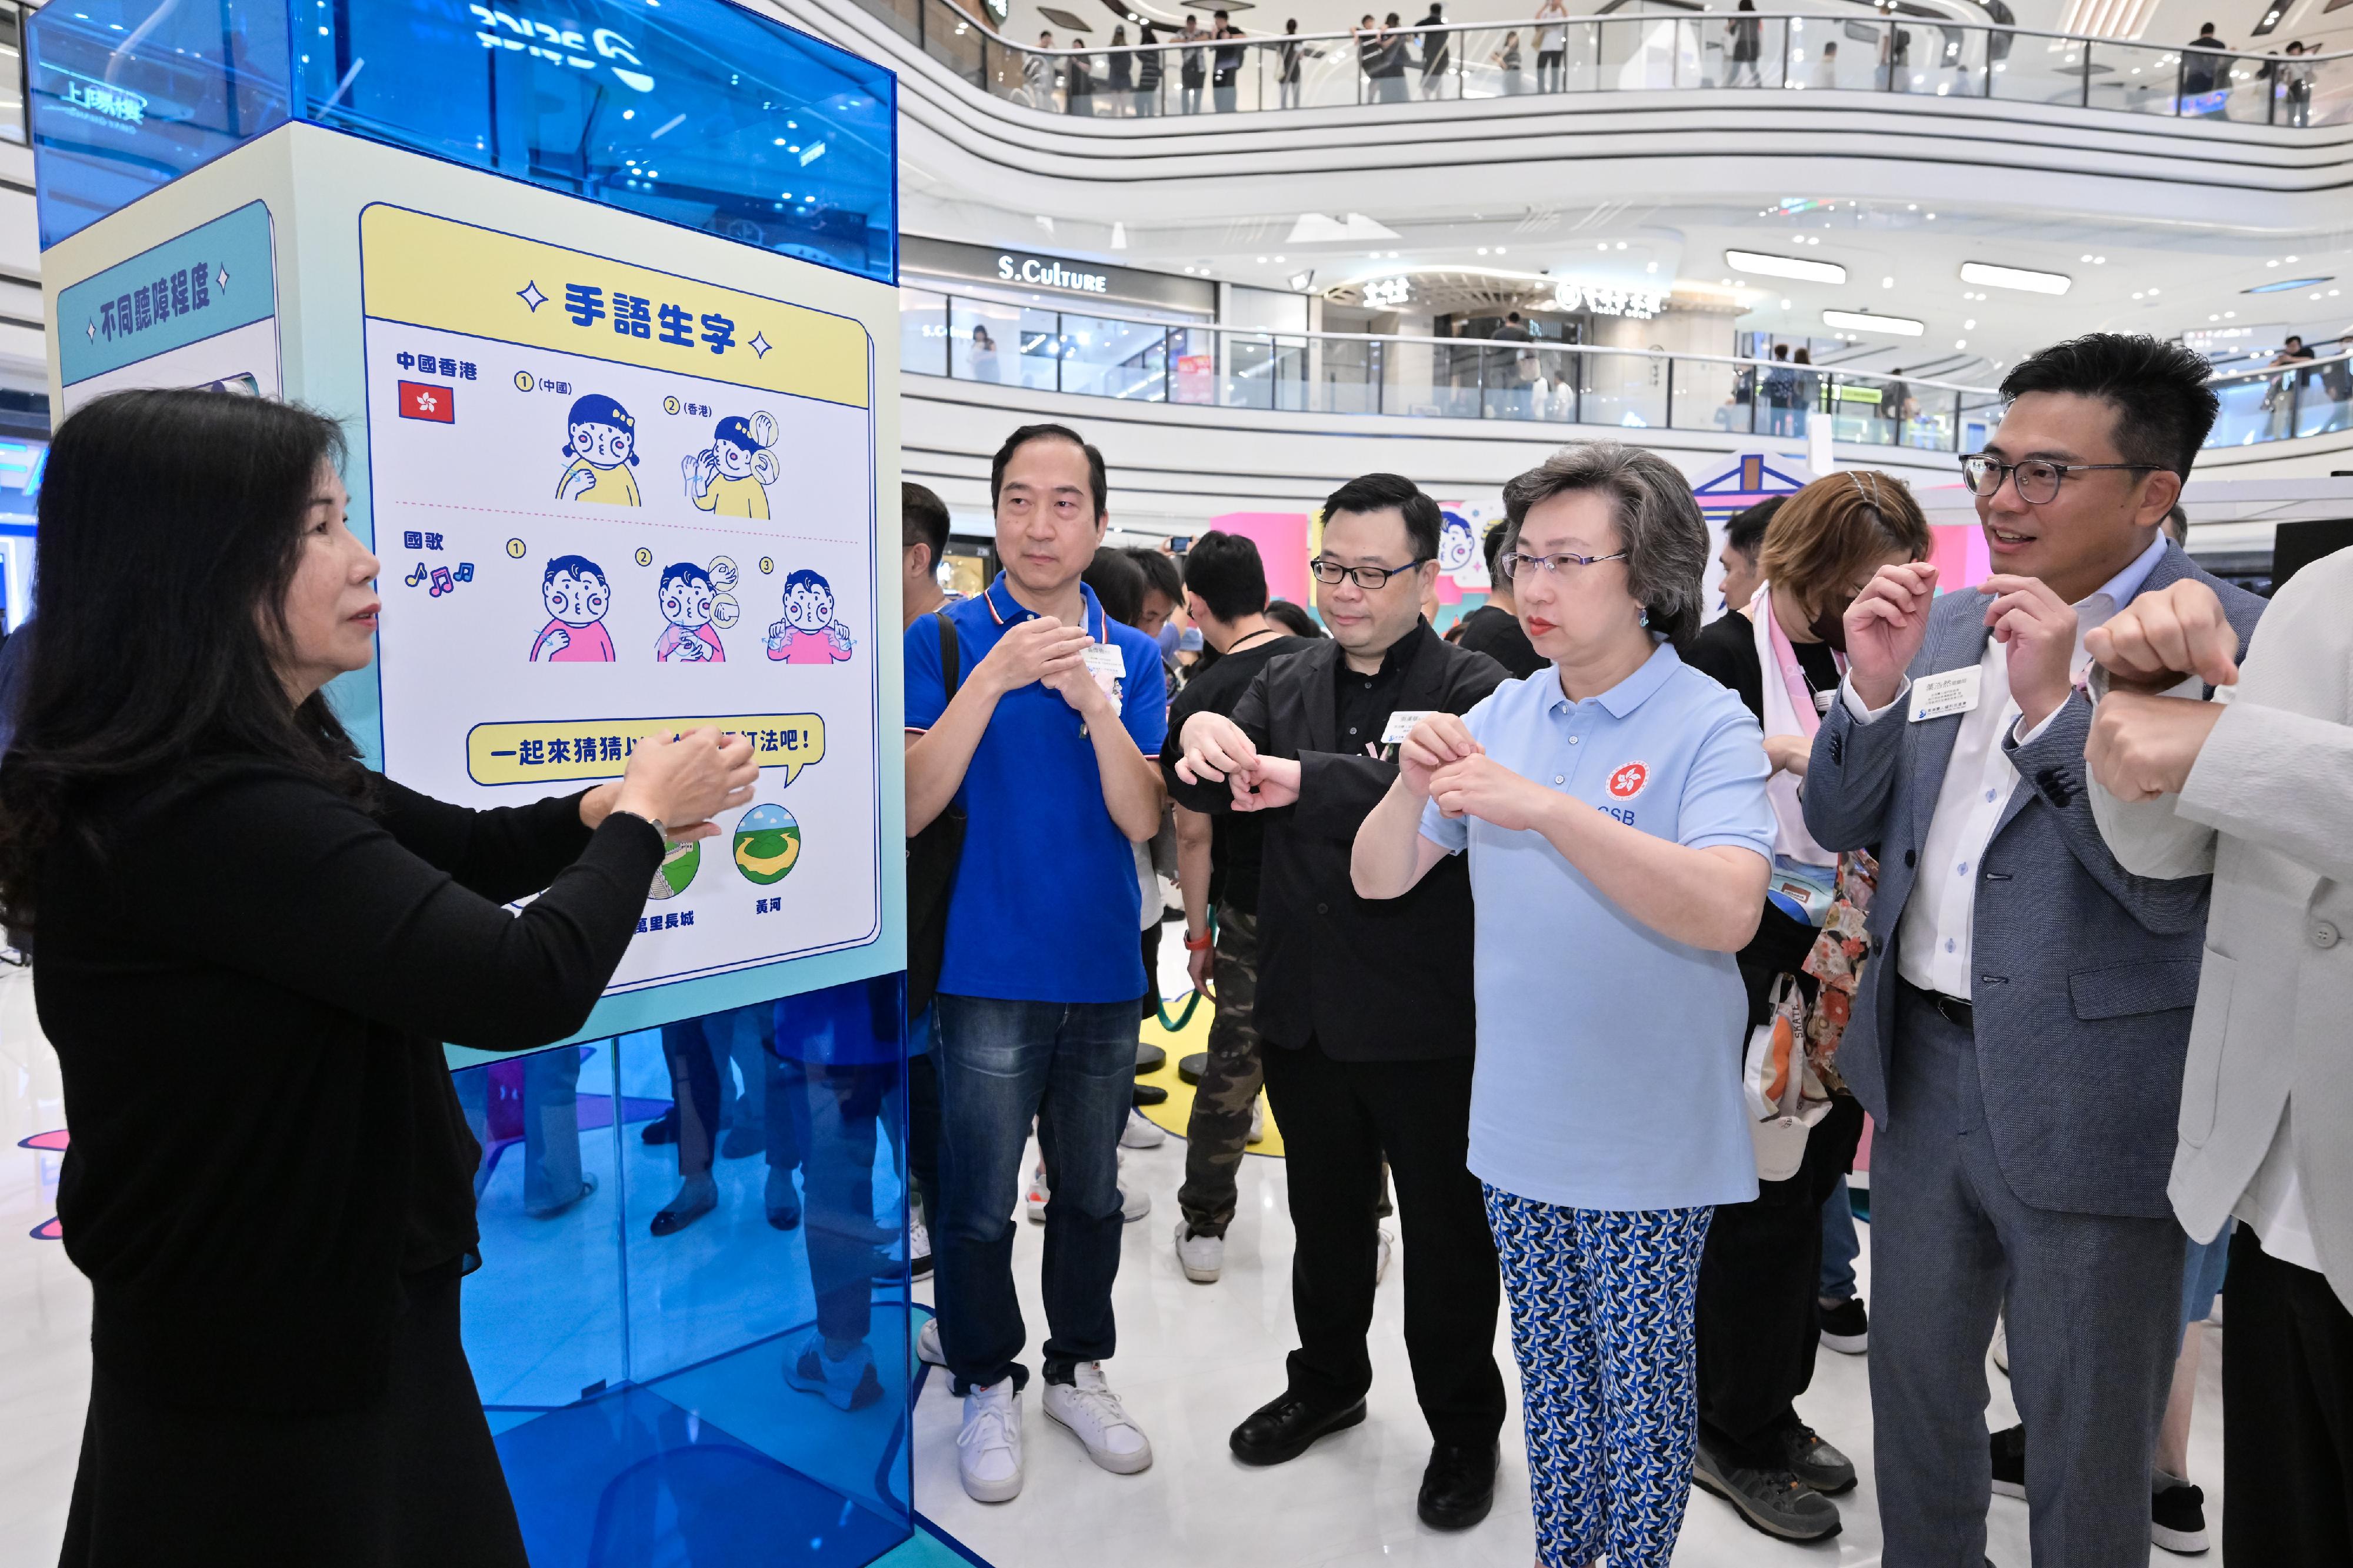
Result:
[
  {"x": 731, "y": 477},
  {"x": 603, "y": 449}
]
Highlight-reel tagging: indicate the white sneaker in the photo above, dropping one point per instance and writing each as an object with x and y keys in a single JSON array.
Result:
[
  {"x": 1134, "y": 1203},
  {"x": 927, "y": 1344},
  {"x": 1142, "y": 1132},
  {"x": 1258, "y": 1121},
  {"x": 989, "y": 1449},
  {"x": 919, "y": 1249},
  {"x": 1203, "y": 1258},
  {"x": 1387, "y": 1245},
  {"x": 2001, "y": 1344},
  {"x": 848, "y": 1384},
  {"x": 1038, "y": 1194},
  {"x": 1089, "y": 1409}
]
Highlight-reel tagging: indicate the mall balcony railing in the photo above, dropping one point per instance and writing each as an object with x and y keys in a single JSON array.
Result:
[
  {"x": 2312, "y": 397},
  {"x": 1142, "y": 361},
  {"x": 1633, "y": 53}
]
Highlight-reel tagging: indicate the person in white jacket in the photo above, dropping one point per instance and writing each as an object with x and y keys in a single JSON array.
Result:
[{"x": 2253, "y": 786}]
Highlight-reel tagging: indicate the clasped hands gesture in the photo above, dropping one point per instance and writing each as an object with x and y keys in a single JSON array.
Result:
[
  {"x": 1044, "y": 650},
  {"x": 2143, "y": 745},
  {"x": 1218, "y": 748},
  {"x": 1440, "y": 760}
]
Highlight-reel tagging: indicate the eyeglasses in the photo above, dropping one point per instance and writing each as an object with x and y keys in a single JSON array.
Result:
[
  {"x": 2038, "y": 479},
  {"x": 1371, "y": 579},
  {"x": 1512, "y": 563}
]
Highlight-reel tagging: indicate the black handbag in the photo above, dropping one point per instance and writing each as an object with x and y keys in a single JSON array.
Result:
[{"x": 932, "y": 857}]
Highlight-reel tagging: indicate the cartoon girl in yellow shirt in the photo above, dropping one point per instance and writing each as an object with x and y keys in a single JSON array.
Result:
[
  {"x": 603, "y": 449},
  {"x": 731, "y": 477}
]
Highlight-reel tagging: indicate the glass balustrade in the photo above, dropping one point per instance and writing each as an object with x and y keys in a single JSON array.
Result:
[
  {"x": 2315, "y": 398},
  {"x": 1096, "y": 355},
  {"x": 1636, "y": 52}
]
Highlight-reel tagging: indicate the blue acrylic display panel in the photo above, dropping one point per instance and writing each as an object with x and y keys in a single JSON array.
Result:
[
  {"x": 642, "y": 1386},
  {"x": 692, "y": 111}
]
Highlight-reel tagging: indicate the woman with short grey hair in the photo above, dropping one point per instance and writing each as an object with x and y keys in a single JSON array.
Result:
[{"x": 1614, "y": 810}]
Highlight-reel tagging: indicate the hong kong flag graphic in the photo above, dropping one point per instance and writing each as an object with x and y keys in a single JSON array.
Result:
[{"x": 423, "y": 400}]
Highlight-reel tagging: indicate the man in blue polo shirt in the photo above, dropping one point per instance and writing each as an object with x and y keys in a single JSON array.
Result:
[{"x": 1046, "y": 745}]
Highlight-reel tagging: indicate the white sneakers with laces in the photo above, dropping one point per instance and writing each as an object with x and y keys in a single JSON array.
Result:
[
  {"x": 1258, "y": 1121},
  {"x": 1096, "y": 1417},
  {"x": 1142, "y": 1132},
  {"x": 989, "y": 1449}
]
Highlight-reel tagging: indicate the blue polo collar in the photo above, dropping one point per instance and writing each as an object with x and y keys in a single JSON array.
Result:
[
  {"x": 1008, "y": 611},
  {"x": 1632, "y": 692}
]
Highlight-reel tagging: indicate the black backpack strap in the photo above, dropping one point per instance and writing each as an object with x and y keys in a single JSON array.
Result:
[{"x": 951, "y": 654}]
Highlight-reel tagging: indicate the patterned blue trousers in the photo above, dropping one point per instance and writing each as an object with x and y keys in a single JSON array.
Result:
[{"x": 1601, "y": 1324}]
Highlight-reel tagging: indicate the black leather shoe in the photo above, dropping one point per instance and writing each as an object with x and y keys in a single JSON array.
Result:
[
  {"x": 1458, "y": 1487},
  {"x": 1282, "y": 1428}
]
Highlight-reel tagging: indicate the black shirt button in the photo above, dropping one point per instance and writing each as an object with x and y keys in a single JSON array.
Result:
[
  {"x": 1909, "y": 858},
  {"x": 1322, "y": 908}
]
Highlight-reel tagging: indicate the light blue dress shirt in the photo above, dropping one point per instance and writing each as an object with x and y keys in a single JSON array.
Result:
[{"x": 1608, "y": 1065}]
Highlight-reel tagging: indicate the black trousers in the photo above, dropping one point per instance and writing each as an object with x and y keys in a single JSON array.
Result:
[
  {"x": 2288, "y": 1413},
  {"x": 1338, "y": 1119},
  {"x": 1759, "y": 1289},
  {"x": 408, "y": 1480}
]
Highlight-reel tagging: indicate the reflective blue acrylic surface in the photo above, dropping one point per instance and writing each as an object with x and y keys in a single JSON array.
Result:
[
  {"x": 696, "y": 112},
  {"x": 690, "y": 1326}
]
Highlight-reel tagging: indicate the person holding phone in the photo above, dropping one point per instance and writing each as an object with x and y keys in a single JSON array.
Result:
[{"x": 251, "y": 951}]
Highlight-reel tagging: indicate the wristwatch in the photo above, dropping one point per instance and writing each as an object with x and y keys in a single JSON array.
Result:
[{"x": 655, "y": 823}]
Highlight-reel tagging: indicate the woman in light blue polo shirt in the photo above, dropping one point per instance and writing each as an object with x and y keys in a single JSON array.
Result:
[{"x": 1615, "y": 812}]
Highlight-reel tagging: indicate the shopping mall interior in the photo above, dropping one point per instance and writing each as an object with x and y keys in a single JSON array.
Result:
[{"x": 1769, "y": 245}]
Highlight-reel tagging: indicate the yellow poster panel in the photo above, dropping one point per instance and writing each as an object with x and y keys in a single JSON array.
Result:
[{"x": 430, "y": 272}]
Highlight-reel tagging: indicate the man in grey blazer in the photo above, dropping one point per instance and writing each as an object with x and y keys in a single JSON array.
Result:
[
  {"x": 2019, "y": 1031},
  {"x": 2258, "y": 792}
]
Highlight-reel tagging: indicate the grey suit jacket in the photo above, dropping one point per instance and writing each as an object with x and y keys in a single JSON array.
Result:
[
  {"x": 2084, "y": 972},
  {"x": 2268, "y": 810}
]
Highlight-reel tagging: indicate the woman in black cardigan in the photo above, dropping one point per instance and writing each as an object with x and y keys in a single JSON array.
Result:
[{"x": 250, "y": 951}]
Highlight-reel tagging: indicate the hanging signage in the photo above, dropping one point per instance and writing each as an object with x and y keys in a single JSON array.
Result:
[
  {"x": 1045, "y": 272},
  {"x": 1608, "y": 300},
  {"x": 921, "y": 260}
]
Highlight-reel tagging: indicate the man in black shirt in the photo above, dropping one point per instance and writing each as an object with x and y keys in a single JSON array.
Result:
[
  {"x": 1365, "y": 1006},
  {"x": 1493, "y": 628},
  {"x": 1217, "y": 860}
]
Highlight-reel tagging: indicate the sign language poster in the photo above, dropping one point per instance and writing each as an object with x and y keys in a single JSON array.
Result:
[{"x": 611, "y": 502}]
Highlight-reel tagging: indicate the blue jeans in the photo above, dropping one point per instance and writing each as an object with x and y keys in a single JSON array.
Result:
[
  {"x": 1840, "y": 1245},
  {"x": 1072, "y": 1065}
]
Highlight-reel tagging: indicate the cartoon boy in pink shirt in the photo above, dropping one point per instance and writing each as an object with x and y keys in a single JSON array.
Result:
[
  {"x": 809, "y": 634},
  {"x": 576, "y": 594},
  {"x": 687, "y": 597}
]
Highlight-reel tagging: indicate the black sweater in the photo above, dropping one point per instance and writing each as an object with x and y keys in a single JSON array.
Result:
[{"x": 247, "y": 991}]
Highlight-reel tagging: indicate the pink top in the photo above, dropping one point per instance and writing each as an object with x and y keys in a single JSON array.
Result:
[
  {"x": 808, "y": 648},
  {"x": 591, "y": 643},
  {"x": 667, "y": 648}
]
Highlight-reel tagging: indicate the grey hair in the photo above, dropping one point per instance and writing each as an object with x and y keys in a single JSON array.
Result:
[{"x": 1659, "y": 524}]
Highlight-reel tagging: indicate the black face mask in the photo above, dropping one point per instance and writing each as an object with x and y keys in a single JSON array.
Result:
[{"x": 1829, "y": 627}]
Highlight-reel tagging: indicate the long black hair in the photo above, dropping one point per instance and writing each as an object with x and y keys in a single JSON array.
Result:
[{"x": 171, "y": 526}]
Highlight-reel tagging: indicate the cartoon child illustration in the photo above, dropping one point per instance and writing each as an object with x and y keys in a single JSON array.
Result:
[
  {"x": 686, "y": 600},
  {"x": 577, "y": 593},
  {"x": 1456, "y": 543},
  {"x": 731, "y": 477},
  {"x": 603, "y": 449},
  {"x": 809, "y": 634}
]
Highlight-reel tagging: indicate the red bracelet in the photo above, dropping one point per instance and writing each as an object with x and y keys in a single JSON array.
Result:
[{"x": 1206, "y": 941}]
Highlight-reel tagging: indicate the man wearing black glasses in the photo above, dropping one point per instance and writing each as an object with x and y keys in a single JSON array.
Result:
[
  {"x": 2020, "y": 1032},
  {"x": 1364, "y": 1008}
]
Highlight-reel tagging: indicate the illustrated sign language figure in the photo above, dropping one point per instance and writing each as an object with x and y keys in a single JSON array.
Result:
[
  {"x": 809, "y": 634},
  {"x": 687, "y": 596},
  {"x": 576, "y": 595},
  {"x": 603, "y": 448},
  {"x": 731, "y": 477}
]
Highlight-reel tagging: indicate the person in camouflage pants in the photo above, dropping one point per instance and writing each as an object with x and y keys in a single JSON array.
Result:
[{"x": 1220, "y": 1123}]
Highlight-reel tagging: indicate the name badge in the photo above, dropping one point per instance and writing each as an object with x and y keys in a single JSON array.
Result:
[
  {"x": 1401, "y": 723},
  {"x": 1938, "y": 696},
  {"x": 1107, "y": 664}
]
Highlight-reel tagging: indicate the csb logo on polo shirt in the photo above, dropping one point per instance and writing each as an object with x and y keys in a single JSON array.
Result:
[{"x": 1628, "y": 782}]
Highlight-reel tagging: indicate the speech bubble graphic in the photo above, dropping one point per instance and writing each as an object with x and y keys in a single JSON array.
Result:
[{"x": 561, "y": 751}]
